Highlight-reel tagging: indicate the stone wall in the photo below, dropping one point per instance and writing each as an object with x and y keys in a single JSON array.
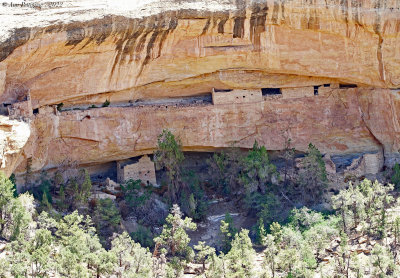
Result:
[
  {"x": 21, "y": 110},
  {"x": 368, "y": 164},
  {"x": 236, "y": 96},
  {"x": 297, "y": 92},
  {"x": 142, "y": 170}
]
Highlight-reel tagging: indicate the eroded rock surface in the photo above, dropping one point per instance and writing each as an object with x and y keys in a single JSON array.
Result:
[
  {"x": 13, "y": 137},
  {"x": 126, "y": 51}
]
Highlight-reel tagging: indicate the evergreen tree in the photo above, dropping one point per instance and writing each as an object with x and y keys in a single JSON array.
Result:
[
  {"x": 132, "y": 260},
  {"x": 382, "y": 261},
  {"x": 241, "y": 257},
  {"x": 257, "y": 176},
  {"x": 271, "y": 253},
  {"x": 174, "y": 236},
  {"x": 86, "y": 186},
  {"x": 313, "y": 177},
  {"x": 228, "y": 232},
  {"x": 203, "y": 253},
  {"x": 169, "y": 155},
  {"x": 6, "y": 194},
  {"x": 396, "y": 176}
]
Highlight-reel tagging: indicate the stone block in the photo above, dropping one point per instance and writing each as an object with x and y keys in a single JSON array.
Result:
[
  {"x": 297, "y": 92},
  {"x": 236, "y": 96}
]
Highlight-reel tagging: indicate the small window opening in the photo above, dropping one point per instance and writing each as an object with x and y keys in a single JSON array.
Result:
[
  {"x": 148, "y": 183},
  {"x": 222, "y": 91},
  {"x": 316, "y": 90},
  {"x": 327, "y": 85},
  {"x": 345, "y": 86},
  {"x": 271, "y": 91},
  {"x": 36, "y": 111},
  {"x": 244, "y": 96},
  {"x": 6, "y": 104}
]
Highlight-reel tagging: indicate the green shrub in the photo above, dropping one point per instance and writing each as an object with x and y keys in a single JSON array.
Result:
[
  {"x": 60, "y": 106},
  {"x": 106, "y": 103},
  {"x": 144, "y": 236},
  {"x": 134, "y": 194},
  {"x": 396, "y": 176}
]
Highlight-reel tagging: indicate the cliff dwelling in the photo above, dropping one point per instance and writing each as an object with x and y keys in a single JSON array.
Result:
[
  {"x": 143, "y": 170},
  {"x": 259, "y": 113}
]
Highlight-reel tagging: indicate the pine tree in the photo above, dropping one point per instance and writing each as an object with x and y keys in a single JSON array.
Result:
[
  {"x": 169, "y": 155},
  {"x": 241, "y": 257},
  {"x": 132, "y": 260},
  {"x": 257, "y": 176},
  {"x": 396, "y": 176},
  {"x": 228, "y": 232},
  {"x": 86, "y": 187},
  {"x": 6, "y": 194},
  {"x": 313, "y": 177},
  {"x": 45, "y": 202},
  {"x": 174, "y": 236},
  {"x": 203, "y": 253}
]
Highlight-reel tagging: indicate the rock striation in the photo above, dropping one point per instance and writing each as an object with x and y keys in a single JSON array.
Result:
[{"x": 145, "y": 57}]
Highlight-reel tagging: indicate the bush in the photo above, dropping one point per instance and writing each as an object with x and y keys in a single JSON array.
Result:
[
  {"x": 144, "y": 236},
  {"x": 106, "y": 103},
  {"x": 193, "y": 200},
  {"x": 134, "y": 194},
  {"x": 396, "y": 176}
]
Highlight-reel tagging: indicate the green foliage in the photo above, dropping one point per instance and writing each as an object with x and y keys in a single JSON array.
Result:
[
  {"x": 14, "y": 182},
  {"x": 134, "y": 194},
  {"x": 365, "y": 206},
  {"x": 228, "y": 232},
  {"x": 260, "y": 232},
  {"x": 267, "y": 207},
  {"x": 169, "y": 155},
  {"x": 241, "y": 257},
  {"x": 86, "y": 186},
  {"x": 17, "y": 216},
  {"x": 107, "y": 215},
  {"x": 304, "y": 218},
  {"x": 226, "y": 166},
  {"x": 60, "y": 106},
  {"x": 382, "y": 261},
  {"x": 257, "y": 175},
  {"x": 193, "y": 199},
  {"x": 106, "y": 103},
  {"x": 396, "y": 176},
  {"x": 204, "y": 252},
  {"x": 6, "y": 194},
  {"x": 143, "y": 235},
  {"x": 132, "y": 259},
  {"x": 174, "y": 236},
  {"x": 313, "y": 177}
]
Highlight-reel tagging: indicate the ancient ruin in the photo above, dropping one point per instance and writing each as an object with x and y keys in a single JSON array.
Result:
[
  {"x": 328, "y": 76},
  {"x": 143, "y": 170}
]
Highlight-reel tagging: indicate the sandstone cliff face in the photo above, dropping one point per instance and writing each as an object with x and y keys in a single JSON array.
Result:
[
  {"x": 14, "y": 135},
  {"x": 186, "y": 48}
]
